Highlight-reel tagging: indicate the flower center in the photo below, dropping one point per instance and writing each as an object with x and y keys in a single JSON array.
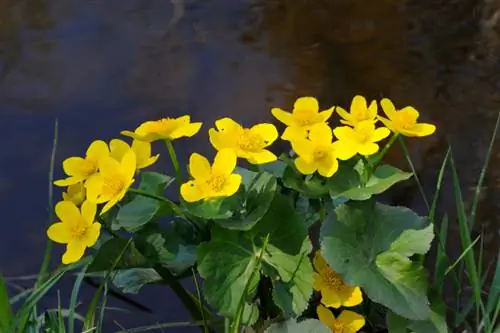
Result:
[
  {"x": 112, "y": 186},
  {"x": 338, "y": 327},
  {"x": 164, "y": 125},
  {"x": 305, "y": 117},
  {"x": 319, "y": 154},
  {"x": 216, "y": 183},
  {"x": 250, "y": 141},
  {"x": 79, "y": 230},
  {"x": 360, "y": 114},
  {"x": 89, "y": 166},
  {"x": 333, "y": 280},
  {"x": 405, "y": 119}
]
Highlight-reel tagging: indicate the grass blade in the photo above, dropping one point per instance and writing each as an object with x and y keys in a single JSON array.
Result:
[
  {"x": 74, "y": 298},
  {"x": 6, "y": 314}
]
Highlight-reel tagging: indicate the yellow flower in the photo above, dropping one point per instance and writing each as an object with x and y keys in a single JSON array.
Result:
[
  {"x": 141, "y": 149},
  {"x": 334, "y": 291},
  {"x": 112, "y": 181},
  {"x": 404, "y": 121},
  {"x": 346, "y": 322},
  {"x": 247, "y": 143},
  {"x": 76, "y": 228},
  {"x": 75, "y": 193},
  {"x": 214, "y": 181},
  {"x": 79, "y": 169},
  {"x": 305, "y": 114},
  {"x": 164, "y": 129},
  {"x": 316, "y": 153},
  {"x": 360, "y": 111},
  {"x": 361, "y": 139}
]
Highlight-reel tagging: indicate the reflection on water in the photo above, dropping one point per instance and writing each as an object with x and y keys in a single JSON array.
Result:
[{"x": 105, "y": 66}]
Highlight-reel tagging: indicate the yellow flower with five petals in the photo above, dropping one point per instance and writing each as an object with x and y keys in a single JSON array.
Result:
[
  {"x": 142, "y": 150},
  {"x": 346, "y": 322},
  {"x": 404, "y": 121},
  {"x": 75, "y": 193},
  {"x": 304, "y": 115},
  {"x": 334, "y": 291},
  {"x": 214, "y": 181},
  {"x": 80, "y": 169},
  {"x": 112, "y": 181},
  {"x": 247, "y": 143},
  {"x": 359, "y": 111},
  {"x": 164, "y": 129},
  {"x": 362, "y": 139},
  {"x": 76, "y": 228},
  {"x": 316, "y": 153}
]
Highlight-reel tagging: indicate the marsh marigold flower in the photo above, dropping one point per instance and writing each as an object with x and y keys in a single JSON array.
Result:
[
  {"x": 75, "y": 193},
  {"x": 214, "y": 181},
  {"x": 305, "y": 114},
  {"x": 80, "y": 169},
  {"x": 404, "y": 121},
  {"x": 247, "y": 143},
  {"x": 76, "y": 228},
  {"x": 334, "y": 291},
  {"x": 362, "y": 139},
  {"x": 346, "y": 322},
  {"x": 164, "y": 129},
  {"x": 317, "y": 153},
  {"x": 141, "y": 149},
  {"x": 112, "y": 181},
  {"x": 360, "y": 111}
]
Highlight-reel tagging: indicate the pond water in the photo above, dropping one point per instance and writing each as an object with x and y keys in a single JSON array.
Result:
[{"x": 103, "y": 66}]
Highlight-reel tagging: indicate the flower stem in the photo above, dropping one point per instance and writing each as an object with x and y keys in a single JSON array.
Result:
[
  {"x": 175, "y": 161},
  {"x": 381, "y": 155},
  {"x": 174, "y": 207}
]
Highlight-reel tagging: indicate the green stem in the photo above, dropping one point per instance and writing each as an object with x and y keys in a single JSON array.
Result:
[
  {"x": 198, "y": 293},
  {"x": 381, "y": 155},
  {"x": 175, "y": 208},
  {"x": 175, "y": 161}
]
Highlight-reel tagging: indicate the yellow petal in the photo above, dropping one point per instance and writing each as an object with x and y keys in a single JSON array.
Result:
[
  {"x": 325, "y": 115},
  {"x": 318, "y": 283},
  {"x": 136, "y": 136},
  {"x": 74, "y": 252},
  {"x": 389, "y": 124},
  {"x": 128, "y": 165},
  {"x": 321, "y": 134},
  {"x": 76, "y": 166},
  {"x": 217, "y": 139},
  {"x": 92, "y": 235},
  {"x": 345, "y": 150},
  {"x": 142, "y": 151},
  {"x": 352, "y": 320},
  {"x": 228, "y": 125},
  {"x": 328, "y": 166},
  {"x": 372, "y": 110},
  {"x": 411, "y": 113},
  {"x": 262, "y": 157},
  {"x": 344, "y": 114},
  {"x": 358, "y": 105},
  {"x": 97, "y": 149},
  {"x": 59, "y": 232},
  {"x": 267, "y": 132},
  {"x": 224, "y": 162},
  {"x": 118, "y": 148},
  {"x": 380, "y": 134},
  {"x": 109, "y": 166},
  {"x": 231, "y": 185},
  {"x": 88, "y": 211},
  {"x": 67, "y": 211},
  {"x": 68, "y": 181},
  {"x": 293, "y": 133},
  {"x": 343, "y": 132},
  {"x": 330, "y": 298},
  {"x": 303, "y": 147},
  {"x": 304, "y": 167},
  {"x": 306, "y": 103},
  {"x": 283, "y": 116},
  {"x": 325, "y": 316},
  {"x": 191, "y": 192},
  {"x": 424, "y": 129},
  {"x": 199, "y": 167},
  {"x": 388, "y": 107},
  {"x": 319, "y": 262},
  {"x": 150, "y": 161},
  {"x": 188, "y": 130},
  {"x": 110, "y": 204},
  {"x": 352, "y": 296},
  {"x": 94, "y": 185},
  {"x": 368, "y": 149}
]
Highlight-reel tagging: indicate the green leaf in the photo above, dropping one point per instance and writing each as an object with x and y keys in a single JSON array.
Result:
[
  {"x": 110, "y": 251},
  {"x": 260, "y": 189},
  {"x": 5, "y": 309},
  {"x": 347, "y": 181},
  {"x": 167, "y": 248},
  {"x": 284, "y": 260},
  {"x": 276, "y": 168},
  {"x": 221, "y": 208},
  {"x": 369, "y": 244},
  {"x": 311, "y": 186},
  {"x": 292, "y": 326},
  {"x": 141, "y": 210},
  {"x": 133, "y": 279}
]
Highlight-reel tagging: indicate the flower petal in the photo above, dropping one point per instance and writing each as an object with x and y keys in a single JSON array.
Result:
[
  {"x": 141, "y": 149},
  {"x": 74, "y": 252},
  {"x": 368, "y": 149},
  {"x": 325, "y": 316},
  {"x": 305, "y": 167},
  {"x": 343, "y": 132},
  {"x": 218, "y": 139},
  {"x": 319, "y": 262},
  {"x": 410, "y": 112},
  {"x": 352, "y": 320},
  {"x": 345, "y": 150},
  {"x": 128, "y": 165},
  {"x": 118, "y": 148},
  {"x": 67, "y": 211},
  {"x": 224, "y": 162},
  {"x": 88, "y": 211},
  {"x": 135, "y": 136},
  {"x": 94, "y": 185},
  {"x": 389, "y": 124},
  {"x": 372, "y": 110},
  {"x": 330, "y": 298},
  {"x": 75, "y": 166},
  {"x": 266, "y": 131},
  {"x": 227, "y": 125},
  {"x": 388, "y": 107},
  {"x": 110, "y": 204},
  {"x": 318, "y": 282},
  {"x": 344, "y": 114},
  {"x": 262, "y": 157},
  {"x": 187, "y": 130},
  {"x": 150, "y": 161},
  {"x": 303, "y": 147},
  {"x": 191, "y": 192},
  {"x": 358, "y": 105},
  {"x": 109, "y": 166},
  {"x": 293, "y": 133},
  {"x": 232, "y": 185},
  {"x": 59, "y": 232},
  {"x": 326, "y": 114},
  {"x": 424, "y": 129},
  {"x": 68, "y": 181},
  {"x": 352, "y": 296},
  {"x": 92, "y": 234},
  {"x": 283, "y": 116},
  {"x": 97, "y": 149},
  {"x": 306, "y": 103},
  {"x": 199, "y": 167},
  {"x": 380, "y": 134},
  {"x": 328, "y": 166},
  {"x": 321, "y": 134}
]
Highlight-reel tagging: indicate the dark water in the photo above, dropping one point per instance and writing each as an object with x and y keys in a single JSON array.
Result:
[{"x": 104, "y": 66}]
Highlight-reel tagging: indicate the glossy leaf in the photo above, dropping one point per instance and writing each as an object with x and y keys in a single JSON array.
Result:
[
  {"x": 292, "y": 326},
  {"x": 110, "y": 251},
  {"x": 133, "y": 279}
]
